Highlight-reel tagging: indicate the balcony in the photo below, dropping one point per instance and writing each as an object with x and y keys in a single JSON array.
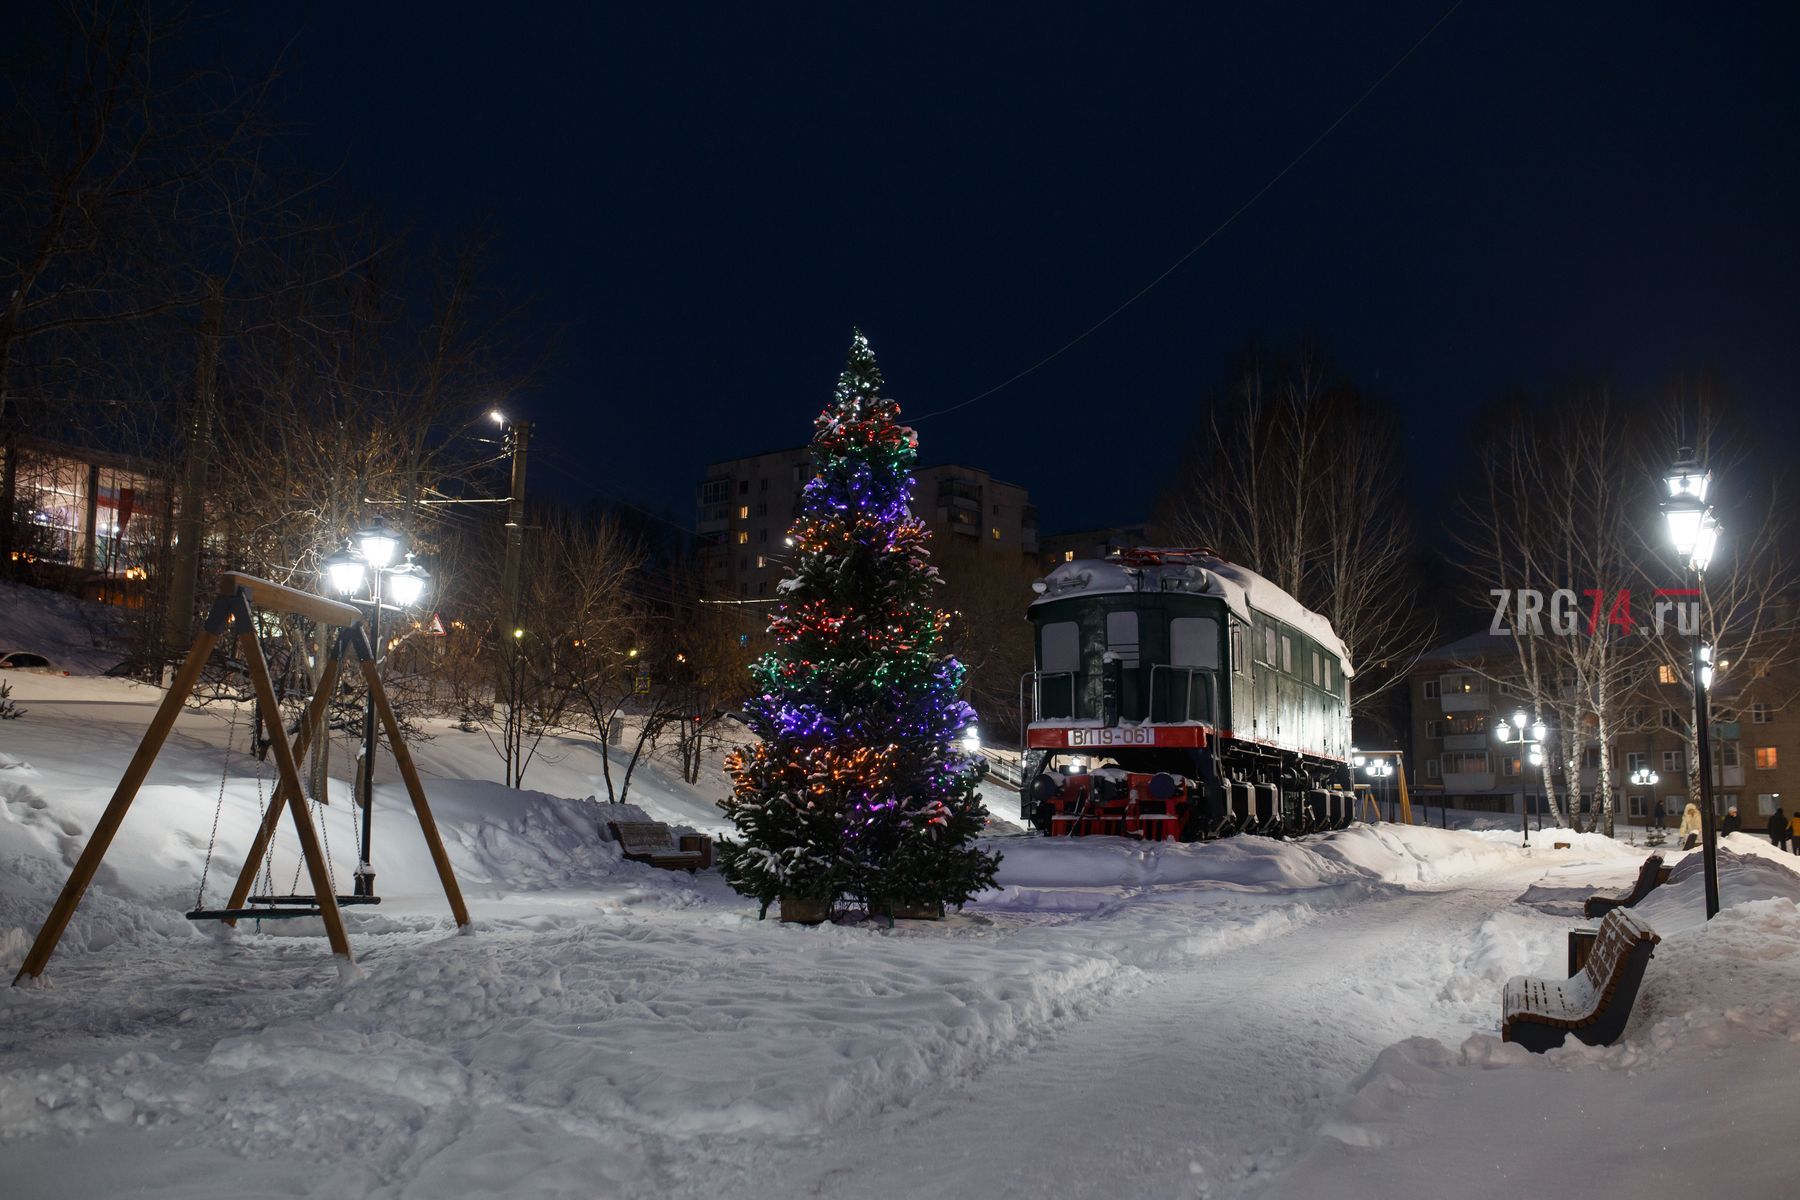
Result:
[
  {"x": 1468, "y": 781},
  {"x": 1467, "y": 741},
  {"x": 1455, "y": 702}
]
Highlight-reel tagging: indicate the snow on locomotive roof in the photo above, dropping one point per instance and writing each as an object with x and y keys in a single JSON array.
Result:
[{"x": 1191, "y": 571}]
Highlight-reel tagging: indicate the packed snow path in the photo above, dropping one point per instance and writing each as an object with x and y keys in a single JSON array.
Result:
[{"x": 1198, "y": 1085}]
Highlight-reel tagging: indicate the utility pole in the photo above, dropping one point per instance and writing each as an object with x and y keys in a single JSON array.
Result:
[
  {"x": 190, "y": 512},
  {"x": 518, "y": 440},
  {"x": 518, "y": 436}
]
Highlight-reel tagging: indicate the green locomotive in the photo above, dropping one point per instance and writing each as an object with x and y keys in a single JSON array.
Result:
[{"x": 1177, "y": 695}]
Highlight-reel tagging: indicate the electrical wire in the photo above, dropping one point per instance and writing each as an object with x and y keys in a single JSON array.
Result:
[{"x": 1221, "y": 227}]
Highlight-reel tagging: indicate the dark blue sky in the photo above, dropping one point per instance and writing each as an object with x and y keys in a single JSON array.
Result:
[{"x": 708, "y": 197}]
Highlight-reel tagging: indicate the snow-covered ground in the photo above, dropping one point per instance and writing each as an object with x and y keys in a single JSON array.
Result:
[{"x": 1248, "y": 1018}]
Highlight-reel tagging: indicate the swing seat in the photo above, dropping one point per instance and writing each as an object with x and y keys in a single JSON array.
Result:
[
  {"x": 252, "y": 914},
  {"x": 342, "y": 900},
  {"x": 275, "y": 908}
]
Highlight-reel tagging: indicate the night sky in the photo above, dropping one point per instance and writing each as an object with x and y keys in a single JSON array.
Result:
[{"x": 709, "y": 197}]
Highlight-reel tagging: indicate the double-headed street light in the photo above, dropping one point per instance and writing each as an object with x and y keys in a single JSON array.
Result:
[
  {"x": 1694, "y": 534},
  {"x": 1529, "y": 737},
  {"x": 1375, "y": 768},
  {"x": 360, "y": 571}
]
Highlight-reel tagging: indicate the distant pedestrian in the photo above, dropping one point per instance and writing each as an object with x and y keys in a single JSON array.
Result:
[
  {"x": 1689, "y": 833},
  {"x": 1779, "y": 832},
  {"x": 1732, "y": 822},
  {"x": 1794, "y": 832},
  {"x": 1662, "y": 815}
]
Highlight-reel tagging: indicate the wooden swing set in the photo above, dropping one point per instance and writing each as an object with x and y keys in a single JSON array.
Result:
[{"x": 235, "y": 610}]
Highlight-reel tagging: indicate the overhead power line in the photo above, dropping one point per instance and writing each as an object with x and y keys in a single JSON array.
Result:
[{"x": 1221, "y": 227}]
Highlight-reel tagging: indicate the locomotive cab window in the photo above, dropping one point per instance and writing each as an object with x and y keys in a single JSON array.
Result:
[
  {"x": 1059, "y": 666},
  {"x": 1193, "y": 658},
  {"x": 1122, "y": 637},
  {"x": 1062, "y": 648},
  {"x": 1194, "y": 642}
]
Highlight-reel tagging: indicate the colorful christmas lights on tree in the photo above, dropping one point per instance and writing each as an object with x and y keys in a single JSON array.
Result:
[{"x": 858, "y": 786}]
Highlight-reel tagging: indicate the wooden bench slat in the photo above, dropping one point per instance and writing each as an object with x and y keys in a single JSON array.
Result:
[
  {"x": 1650, "y": 876},
  {"x": 654, "y": 843},
  {"x": 1581, "y": 1002}
]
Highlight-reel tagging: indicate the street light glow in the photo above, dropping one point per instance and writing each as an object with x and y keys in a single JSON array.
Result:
[
  {"x": 1705, "y": 542},
  {"x": 345, "y": 572},
  {"x": 407, "y": 583},
  {"x": 378, "y": 542},
  {"x": 496, "y": 416}
]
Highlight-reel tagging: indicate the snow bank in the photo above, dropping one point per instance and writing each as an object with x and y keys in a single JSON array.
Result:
[
  {"x": 80, "y": 636},
  {"x": 1681, "y": 1104}
]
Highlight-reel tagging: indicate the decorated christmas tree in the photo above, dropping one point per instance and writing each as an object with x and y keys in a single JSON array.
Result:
[{"x": 858, "y": 785}]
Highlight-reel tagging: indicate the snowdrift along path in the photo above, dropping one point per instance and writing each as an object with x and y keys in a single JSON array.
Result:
[
  {"x": 1199, "y": 1084},
  {"x": 1235, "y": 1020}
]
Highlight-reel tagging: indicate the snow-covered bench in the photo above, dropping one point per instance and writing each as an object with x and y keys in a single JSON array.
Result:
[
  {"x": 1594, "y": 1003},
  {"x": 1650, "y": 876},
  {"x": 654, "y": 843}
]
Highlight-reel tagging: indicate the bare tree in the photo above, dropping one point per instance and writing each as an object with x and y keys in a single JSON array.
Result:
[
  {"x": 987, "y": 594},
  {"x": 576, "y": 621},
  {"x": 1557, "y": 511},
  {"x": 1295, "y": 474}
]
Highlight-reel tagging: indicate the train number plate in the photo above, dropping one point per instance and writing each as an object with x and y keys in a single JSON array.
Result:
[
  {"x": 1112, "y": 737},
  {"x": 1082, "y": 737}
]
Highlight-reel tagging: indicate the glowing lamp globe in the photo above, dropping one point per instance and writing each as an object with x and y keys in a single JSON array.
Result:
[
  {"x": 379, "y": 543},
  {"x": 345, "y": 572},
  {"x": 406, "y": 585},
  {"x": 1687, "y": 479},
  {"x": 1705, "y": 542}
]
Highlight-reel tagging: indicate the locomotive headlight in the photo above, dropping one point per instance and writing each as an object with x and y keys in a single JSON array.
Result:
[
  {"x": 1077, "y": 766},
  {"x": 971, "y": 740}
]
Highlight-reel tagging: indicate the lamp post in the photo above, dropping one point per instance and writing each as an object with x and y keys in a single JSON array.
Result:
[
  {"x": 359, "y": 567},
  {"x": 1694, "y": 533},
  {"x": 1378, "y": 769},
  {"x": 1529, "y": 736}
]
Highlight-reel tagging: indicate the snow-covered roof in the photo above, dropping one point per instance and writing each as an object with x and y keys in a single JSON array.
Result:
[
  {"x": 1474, "y": 646},
  {"x": 1196, "y": 573}
]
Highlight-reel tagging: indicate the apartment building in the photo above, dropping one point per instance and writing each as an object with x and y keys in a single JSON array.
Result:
[
  {"x": 1459, "y": 696},
  {"x": 1098, "y": 543},
  {"x": 83, "y": 519},
  {"x": 746, "y": 506}
]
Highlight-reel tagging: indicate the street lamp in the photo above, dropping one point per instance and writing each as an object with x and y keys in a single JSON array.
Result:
[
  {"x": 356, "y": 571},
  {"x": 1694, "y": 534},
  {"x": 1377, "y": 769},
  {"x": 1529, "y": 736},
  {"x": 1645, "y": 777}
]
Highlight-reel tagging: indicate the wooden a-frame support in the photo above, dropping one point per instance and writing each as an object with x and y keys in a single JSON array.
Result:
[{"x": 234, "y": 608}]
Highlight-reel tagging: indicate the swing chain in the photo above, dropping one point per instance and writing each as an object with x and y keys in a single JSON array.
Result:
[{"x": 212, "y": 839}]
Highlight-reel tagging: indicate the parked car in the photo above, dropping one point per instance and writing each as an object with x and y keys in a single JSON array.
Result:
[{"x": 25, "y": 660}]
